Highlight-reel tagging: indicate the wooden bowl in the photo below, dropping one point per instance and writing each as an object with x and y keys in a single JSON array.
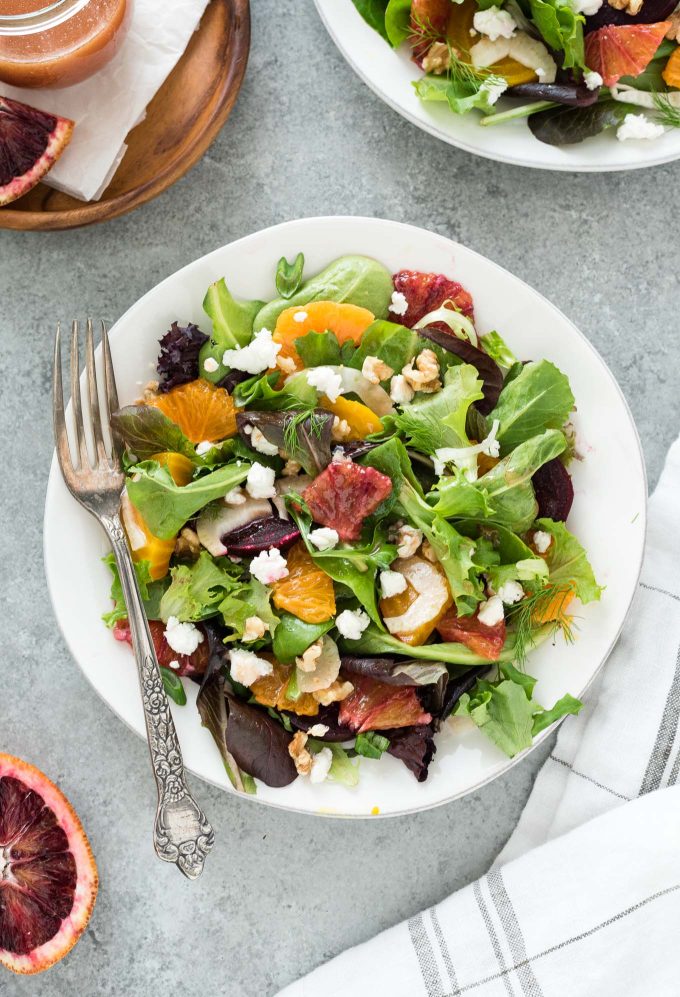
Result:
[{"x": 181, "y": 121}]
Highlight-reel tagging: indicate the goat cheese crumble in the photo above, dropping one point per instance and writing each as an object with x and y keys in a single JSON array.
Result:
[
  {"x": 324, "y": 538},
  {"x": 587, "y": 7},
  {"x": 258, "y": 355},
  {"x": 398, "y": 304},
  {"x": 351, "y": 623},
  {"x": 183, "y": 638},
  {"x": 542, "y": 541},
  {"x": 204, "y": 447},
  {"x": 325, "y": 380},
  {"x": 318, "y": 730},
  {"x": 494, "y": 23},
  {"x": 210, "y": 365},
  {"x": 259, "y": 442},
  {"x": 592, "y": 79},
  {"x": 321, "y": 764},
  {"x": 392, "y": 583},
  {"x": 491, "y": 612},
  {"x": 260, "y": 481},
  {"x": 300, "y": 316},
  {"x": 246, "y": 667},
  {"x": 269, "y": 566},
  {"x": 638, "y": 126},
  {"x": 510, "y": 593}
]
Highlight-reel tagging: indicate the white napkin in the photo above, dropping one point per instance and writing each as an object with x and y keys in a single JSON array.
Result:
[
  {"x": 585, "y": 898},
  {"x": 114, "y": 100}
]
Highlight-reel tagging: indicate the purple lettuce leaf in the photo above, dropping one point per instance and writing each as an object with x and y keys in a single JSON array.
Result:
[{"x": 178, "y": 359}]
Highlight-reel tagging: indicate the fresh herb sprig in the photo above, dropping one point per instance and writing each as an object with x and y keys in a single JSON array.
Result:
[
  {"x": 667, "y": 112},
  {"x": 524, "y": 616}
]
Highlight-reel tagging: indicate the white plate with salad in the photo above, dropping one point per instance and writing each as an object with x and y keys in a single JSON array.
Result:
[
  {"x": 387, "y": 509},
  {"x": 578, "y": 85}
]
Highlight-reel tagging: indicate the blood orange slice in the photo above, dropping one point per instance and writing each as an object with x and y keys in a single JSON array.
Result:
[
  {"x": 31, "y": 141},
  {"x": 623, "y": 49},
  {"x": 48, "y": 876}
]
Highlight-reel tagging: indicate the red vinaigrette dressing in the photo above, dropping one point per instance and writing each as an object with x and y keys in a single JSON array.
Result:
[{"x": 65, "y": 42}]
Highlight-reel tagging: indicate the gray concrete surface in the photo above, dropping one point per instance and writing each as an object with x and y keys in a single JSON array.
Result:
[{"x": 282, "y": 893}]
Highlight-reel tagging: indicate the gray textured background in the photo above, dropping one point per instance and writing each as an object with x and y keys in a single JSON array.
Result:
[{"x": 282, "y": 893}]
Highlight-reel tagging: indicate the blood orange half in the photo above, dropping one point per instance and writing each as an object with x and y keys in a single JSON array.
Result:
[
  {"x": 623, "y": 50},
  {"x": 31, "y": 141},
  {"x": 48, "y": 876}
]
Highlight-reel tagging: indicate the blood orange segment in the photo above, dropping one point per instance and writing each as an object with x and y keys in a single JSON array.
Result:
[
  {"x": 623, "y": 49},
  {"x": 483, "y": 640},
  {"x": 188, "y": 664},
  {"x": 200, "y": 409},
  {"x": 31, "y": 141},
  {"x": 307, "y": 591},
  {"x": 48, "y": 876},
  {"x": 270, "y": 690},
  {"x": 344, "y": 494},
  {"x": 360, "y": 419},
  {"x": 348, "y": 322},
  {"x": 426, "y": 291},
  {"x": 375, "y": 705}
]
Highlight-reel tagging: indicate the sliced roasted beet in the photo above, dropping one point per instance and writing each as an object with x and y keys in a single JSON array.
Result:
[
  {"x": 377, "y": 706},
  {"x": 343, "y": 495},
  {"x": 426, "y": 291},
  {"x": 554, "y": 490},
  {"x": 571, "y": 94},
  {"x": 488, "y": 369},
  {"x": 261, "y": 534},
  {"x": 483, "y": 640},
  {"x": 414, "y": 746},
  {"x": 651, "y": 12},
  {"x": 328, "y": 716},
  {"x": 191, "y": 665}
]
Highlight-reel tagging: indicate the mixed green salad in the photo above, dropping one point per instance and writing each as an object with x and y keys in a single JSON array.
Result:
[
  {"x": 347, "y": 509},
  {"x": 574, "y": 68}
]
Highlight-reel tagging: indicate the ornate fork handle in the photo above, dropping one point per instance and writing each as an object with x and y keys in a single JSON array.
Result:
[{"x": 182, "y": 833}]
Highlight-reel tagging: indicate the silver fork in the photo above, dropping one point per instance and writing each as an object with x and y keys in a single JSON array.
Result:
[{"x": 182, "y": 834}]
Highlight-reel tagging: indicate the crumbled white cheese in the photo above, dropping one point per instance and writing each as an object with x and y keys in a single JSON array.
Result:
[
  {"x": 260, "y": 481},
  {"x": 339, "y": 455},
  {"x": 182, "y": 637},
  {"x": 493, "y": 88},
  {"x": 638, "y": 126},
  {"x": 398, "y": 304},
  {"x": 204, "y": 447},
  {"x": 401, "y": 391},
  {"x": 321, "y": 764},
  {"x": 175, "y": 665},
  {"x": 235, "y": 496},
  {"x": 300, "y": 316},
  {"x": 510, "y": 593},
  {"x": 258, "y": 355},
  {"x": 324, "y": 538},
  {"x": 318, "y": 730},
  {"x": 494, "y": 23},
  {"x": 351, "y": 623},
  {"x": 325, "y": 379},
  {"x": 491, "y": 612},
  {"x": 592, "y": 79},
  {"x": 210, "y": 365},
  {"x": 530, "y": 52},
  {"x": 254, "y": 629},
  {"x": 542, "y": 541},
  {"x": 246, "y": 667},
  {"x": 259, "y": 442},
  {"x": 392, "y": 583},
  {"x": 269, "y": 566},
  {"x": 587, "y": 7}
]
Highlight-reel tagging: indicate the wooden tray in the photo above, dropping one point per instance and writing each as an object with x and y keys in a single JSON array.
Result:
[{"x": 181, "y": 121}]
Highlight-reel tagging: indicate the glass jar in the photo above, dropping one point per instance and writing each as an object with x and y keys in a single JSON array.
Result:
[{"x": 60, "y": 43}]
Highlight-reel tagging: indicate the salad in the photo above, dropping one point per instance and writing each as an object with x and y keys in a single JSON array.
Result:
[
  {"x": 573, "y": 68},
  {"x": 346, "y": 510}
]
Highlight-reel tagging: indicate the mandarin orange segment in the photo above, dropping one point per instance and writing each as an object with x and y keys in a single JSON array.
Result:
[
  {"x": 671, "y": 73},
  {"x": 200, "y": 409},
  {"x": 180, "y": 467},
  {"x": 555, "y": 608},
  {"x": 270, "y": 690},
  {"x": 348, "y": 322},
  {"x": 360, "y": 418},
  {"x": 307, "y": 591},
  {"x": 397, "y": 605},
  {"x": 144, "y": 546},
  {"x": 458, "y": 32}
]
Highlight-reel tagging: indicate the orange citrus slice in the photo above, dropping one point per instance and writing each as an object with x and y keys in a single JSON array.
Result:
[
  {"x": 201, "y": 410},
  {"x": 346, "y": 321},
  {"x": 307, "y": 591}
]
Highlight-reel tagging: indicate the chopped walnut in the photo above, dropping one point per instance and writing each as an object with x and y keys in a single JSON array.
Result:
[
  {"x": 307, "y": 661},
  {"x": 334, "y": 693},
  {"x": 425, "y": 375},
  {"x": 298, "y": 752},
  {"x": 188, "y": 546},
  {"x": 150, "y": 392},
  {"x": 254, "y": 629},
  {"x": 286, "y": 364},
  {"x": 631, "y": 7},
  {"x": 409, "y": 540},
  {"x": 291, "y": 468},
  {"x": 427, "y": 550},
  {"x": 376, "y": 370},
  {"x": 437, "y": 58},
  {"x": 340, "y": 430},
  {"x": 674, "y": 29}
]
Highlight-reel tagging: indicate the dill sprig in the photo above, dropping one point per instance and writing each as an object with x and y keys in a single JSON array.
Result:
[
  {"x": 291, "y": 432},
  {"x": 458, "y": 70},
  {"x": 525, "y": 615},
  {"x": 669, "y": 113}
]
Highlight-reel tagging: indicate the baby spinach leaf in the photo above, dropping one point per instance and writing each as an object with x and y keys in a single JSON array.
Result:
[
  {"x": 375, "y": 641},
  {"x": 319, "y": 349},
  {"x": 538, "y": 398},
  {"x": 568, "y": 562},
  {"x": 165, "y": 506},
  {"x": 293, "y": 636},
  {"x": 289, "y": 275},
  {"x": 147, "y": 431},
  {"x": 568, "y": 125},
  {"x": 398, "y": 21},
  {"x": 394, "y": 344},
  {"x": 373, "y": 12},
  {"x": 232, "y": 320}
]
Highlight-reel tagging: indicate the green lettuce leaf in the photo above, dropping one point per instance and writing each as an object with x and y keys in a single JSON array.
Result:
[
  {"x": 494, "y": 344},
  {"x": 461, "y": 93},
  {"x": 539, "y": 398},
  {"x": 150, "y": 591},
  {"x": 568, "y": 562},
  {"x": 439, "y": 419},
  {"x": 561, "y": 28},
  {"x": 394, "y": 344},
  {"x": 146, "y": 431},
  {"x": 165, "y": 506},
  {"x": 319, "y": 349},
  {"x": 252, "y": 599},
  {"x": 259, "y": 392},
  {"x": 196, "y": 590},
  {"x": 375, "y": 641}
]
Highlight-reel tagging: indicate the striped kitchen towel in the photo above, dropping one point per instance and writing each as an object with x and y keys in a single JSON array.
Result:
[{"x": 584, "y": 900}]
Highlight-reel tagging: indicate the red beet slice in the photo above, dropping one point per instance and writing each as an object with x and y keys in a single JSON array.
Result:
[
  {"x": 190, "y": 665},
  {"x": 261, "y": 534},
  {"x": 483, "y": 640},
  {"x": 426, "y": 291},
  {"x": 376, "y": 706},
  {"x": 554, "y": 490},
  {"x": 343, "y": 496}
]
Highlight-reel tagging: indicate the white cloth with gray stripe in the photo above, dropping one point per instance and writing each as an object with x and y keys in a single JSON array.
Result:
[{"x": 584, "y": 900}]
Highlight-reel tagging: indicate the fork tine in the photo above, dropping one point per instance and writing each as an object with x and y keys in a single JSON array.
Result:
[
  {"x": 79, "y": 429},
  {"x": 93, "y": 393},
  {"x": 110, "y": 390},
  {"x": 60, "y": 434}
]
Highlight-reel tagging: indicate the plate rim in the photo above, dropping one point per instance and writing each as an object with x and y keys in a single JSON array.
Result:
[
  {"x": 432, "y": 129},
  {"x": 54, "y": 477}
]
